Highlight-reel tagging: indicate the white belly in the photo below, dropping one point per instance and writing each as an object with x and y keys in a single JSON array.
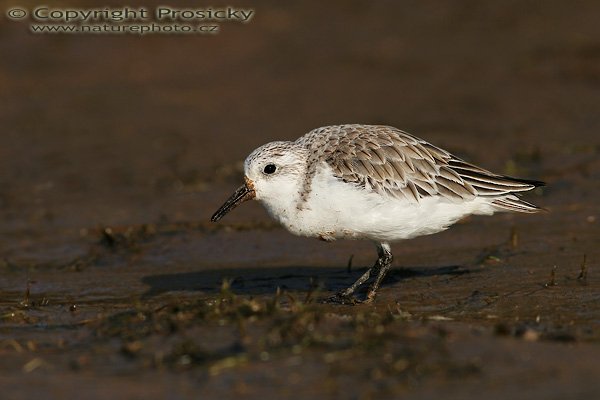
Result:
[{"x": 339, "y": 210}]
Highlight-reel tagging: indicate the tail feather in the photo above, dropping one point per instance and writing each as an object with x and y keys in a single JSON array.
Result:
[
  {"x": 488, "y": 184},
  {"x": 532, "y": 182},
  {"x": 514, "y": 203}
]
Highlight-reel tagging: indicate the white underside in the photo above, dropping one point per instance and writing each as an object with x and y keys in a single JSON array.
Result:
[{"x": 339, "y": 210}]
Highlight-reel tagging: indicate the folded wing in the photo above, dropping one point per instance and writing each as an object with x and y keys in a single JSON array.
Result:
[{"x": 395, "y": 163}]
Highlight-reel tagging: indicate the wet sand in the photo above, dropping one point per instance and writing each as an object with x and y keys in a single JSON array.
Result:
[{"x": 116, "y": 150}]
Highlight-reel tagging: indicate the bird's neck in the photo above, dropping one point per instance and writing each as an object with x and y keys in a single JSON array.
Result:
[{"x": 283, "y": 201}]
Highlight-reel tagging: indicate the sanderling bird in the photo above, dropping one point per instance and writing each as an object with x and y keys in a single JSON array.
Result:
[{"x": 371, "y": 182}]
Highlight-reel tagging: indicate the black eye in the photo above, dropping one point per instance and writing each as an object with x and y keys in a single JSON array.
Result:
[{"x": 270, "y": 168}]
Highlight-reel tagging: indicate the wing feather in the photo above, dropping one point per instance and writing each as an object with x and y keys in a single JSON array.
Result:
[{"x": 395, "y": 163}]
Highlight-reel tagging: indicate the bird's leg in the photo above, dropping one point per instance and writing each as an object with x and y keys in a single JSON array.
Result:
[
  {"x": 349, "y": 291},
  {"x": 345, "y": 296},
  {"x": 380, "y": 268},
  {"x": 385, "y": 263}
]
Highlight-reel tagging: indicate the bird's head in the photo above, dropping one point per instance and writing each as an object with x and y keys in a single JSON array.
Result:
[{"x": 272, "y": 173}]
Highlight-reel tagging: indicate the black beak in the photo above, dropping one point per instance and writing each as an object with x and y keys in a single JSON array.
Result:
[{"x": 244, "y": 192}]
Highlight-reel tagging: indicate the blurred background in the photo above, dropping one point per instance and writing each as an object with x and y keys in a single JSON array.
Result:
[
  {"x": 105, "y": 129},
  {"x": 124, "y": 131}
]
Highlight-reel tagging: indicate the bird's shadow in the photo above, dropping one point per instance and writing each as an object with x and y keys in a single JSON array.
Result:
[{"x": 255, "y": 281}]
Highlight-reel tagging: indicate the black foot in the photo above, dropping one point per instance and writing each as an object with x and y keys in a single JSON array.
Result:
[
  {"x": 379, "y": 270},
  {"x": 340, "y": 298}
]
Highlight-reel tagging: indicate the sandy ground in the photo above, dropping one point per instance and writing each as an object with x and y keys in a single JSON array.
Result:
[{"x": 115, "y": 150}]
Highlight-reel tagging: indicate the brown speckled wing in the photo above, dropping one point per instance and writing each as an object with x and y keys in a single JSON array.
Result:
[{"x": 392, "y": 162}]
